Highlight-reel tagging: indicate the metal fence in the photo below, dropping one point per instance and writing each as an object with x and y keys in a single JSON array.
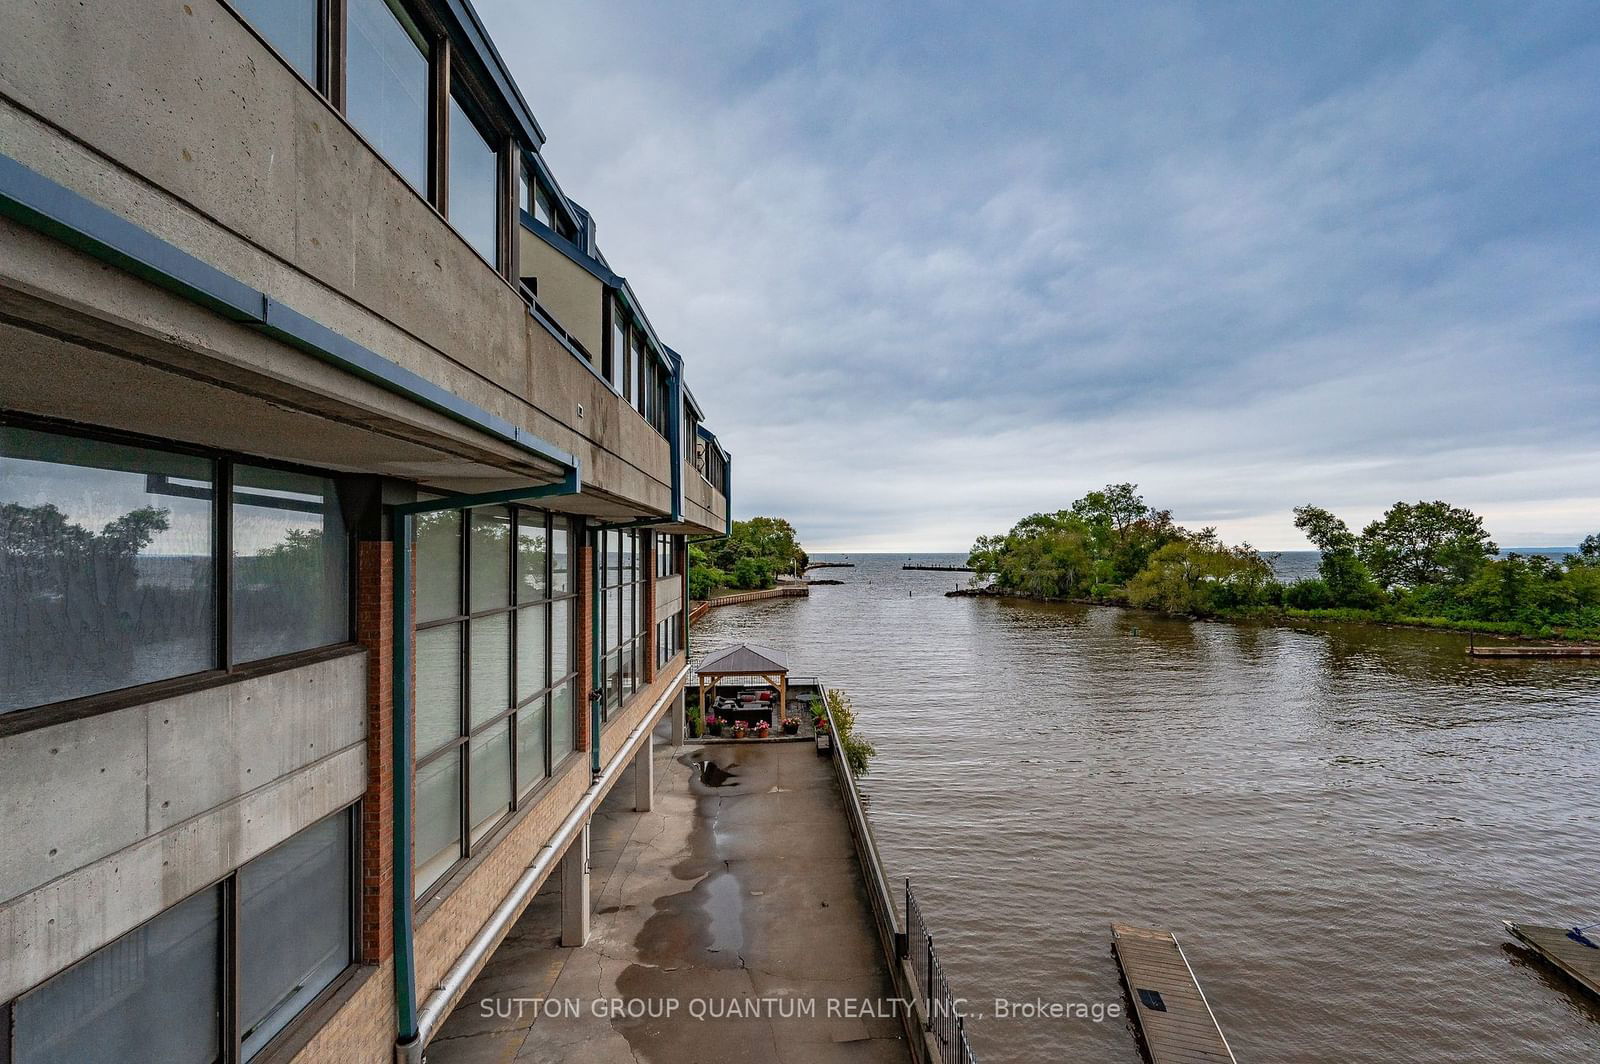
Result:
[{"x": 945, "y": 1023}]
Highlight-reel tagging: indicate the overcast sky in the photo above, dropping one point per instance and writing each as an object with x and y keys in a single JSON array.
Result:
[{"x": 935, "y": 266}]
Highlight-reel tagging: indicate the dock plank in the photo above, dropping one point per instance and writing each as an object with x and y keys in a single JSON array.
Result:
[
  {"x": 1186, "y": 1032},
  {"x": 1577, "y": 960}
]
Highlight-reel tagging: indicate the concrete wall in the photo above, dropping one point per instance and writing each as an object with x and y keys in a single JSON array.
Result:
[
  {"x": 669, "y": 596},
  {"x": 573, "y": 295},
  {"x": 175, "y": 117},
  {"x": 702, "y": 504},
  {"x": 113, "y": 818}
]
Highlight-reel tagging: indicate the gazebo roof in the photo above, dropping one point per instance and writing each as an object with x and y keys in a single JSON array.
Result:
[{"x": 746, "y": 659}]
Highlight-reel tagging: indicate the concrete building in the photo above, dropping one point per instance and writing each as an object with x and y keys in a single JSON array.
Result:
[{"x": 344, "y": 489}]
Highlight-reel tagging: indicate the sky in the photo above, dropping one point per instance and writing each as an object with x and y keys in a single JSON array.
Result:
[{"x": 936, "y": 266}]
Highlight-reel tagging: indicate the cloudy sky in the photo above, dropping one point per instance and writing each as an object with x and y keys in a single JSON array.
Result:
[{"x": 935, "y": 266}]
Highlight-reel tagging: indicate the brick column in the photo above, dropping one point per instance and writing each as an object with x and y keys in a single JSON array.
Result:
[
  {"x": 583, "y": 556},
  {"x": 375, "y": 632}
]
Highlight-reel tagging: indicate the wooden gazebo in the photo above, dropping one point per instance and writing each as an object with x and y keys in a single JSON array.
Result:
[{"x": 744, "y": 660}]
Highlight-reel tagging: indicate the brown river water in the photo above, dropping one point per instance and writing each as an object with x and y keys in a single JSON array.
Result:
[{"x": 1333, "y": 820}]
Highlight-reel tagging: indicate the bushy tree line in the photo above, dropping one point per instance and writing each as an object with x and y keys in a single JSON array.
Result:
[
  {"x": 751, "y": 557},
  {"x": 1424, "y": 561}
]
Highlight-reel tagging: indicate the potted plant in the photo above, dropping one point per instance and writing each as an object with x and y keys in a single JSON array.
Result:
[
  {"x": 740, "y": 729},
  {"x": 713, "y": 724},
  {"x": 822, "y": 725},
  {"x": 762, "y": 729},
  {"x": 791, "y": 725}
]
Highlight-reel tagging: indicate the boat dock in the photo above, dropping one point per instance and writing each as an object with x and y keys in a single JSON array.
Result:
[
  {"x": 1174, "y": 1018},
  {"x": 830, "y": 565},
  {"x": 940, "y": 568},
  {"x": 1534, "y": 652},
  {"x": 1556, "y": 945}
]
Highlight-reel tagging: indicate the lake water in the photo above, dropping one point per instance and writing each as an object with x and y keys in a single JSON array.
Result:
[{"x": 1334, "y": 819}]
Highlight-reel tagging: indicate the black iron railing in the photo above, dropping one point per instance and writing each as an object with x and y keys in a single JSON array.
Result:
[{"x": 945, "y": 1021}]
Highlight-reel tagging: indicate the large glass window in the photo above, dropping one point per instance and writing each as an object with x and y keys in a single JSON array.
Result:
[
  {"x": 159, "y": 993},
  {"x": 621, "y": 601},
  {"x": 387, "y": 85},
  {"x": 295, "y": 930},
  {"x": 291, "y": 559},
  {"x": 474, "y": 187},
  {"x": 290, "y": 26},
  {"x": 495, "y": 672},
  {"x": 110, "y": 554},
  {"x": 107, "y": 566}
]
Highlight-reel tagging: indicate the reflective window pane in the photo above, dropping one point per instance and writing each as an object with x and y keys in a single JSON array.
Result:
[
  {"x": 438, "y": 687},
  {"x": 533, "y": 555},
  {"x": 436, "y": 834},
  {"x": 560, "y": 560},
  {"x": 563, "y": 724},
  {"x": 533, "y": 673},
  {"x": 562, "y": 659},
  {"x": 489, "y": 682},
  {"x": 491, "y": 778},
  {"x": 474, "y": 187},
  {"x": 387, "y": 85},
  {"x": 106, "y": 570},
  {"x": 154, "y": 993},
  {"x": 438, "y": 565},
  {"x": 531, "y": 721},
  {"x": 290, "y": 26},
  {"x": 541, "y": 206},
  {"x": 491, "y": 559},
  {"x": 291, "y": 563},
  {"x": 294, "y": 927}
]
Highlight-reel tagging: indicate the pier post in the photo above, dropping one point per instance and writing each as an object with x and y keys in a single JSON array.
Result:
[
  {"x": 644, "y": 776},
  {"x": 575, "y": 891},
  {"x": 680, "y": 711}
]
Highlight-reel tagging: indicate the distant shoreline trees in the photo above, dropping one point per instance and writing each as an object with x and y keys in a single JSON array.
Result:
[
  {"x": 1425, "y": 562},
  {"x": 750, "y": 558}
]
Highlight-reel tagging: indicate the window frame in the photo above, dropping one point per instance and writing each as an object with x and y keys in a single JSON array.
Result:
[
  {"x": 462, "y": 92},
  {"x": 612, "y": 678},
  {"x": 459, "y": 745},
  {"x": 227, "y": 972},
  {"x": 222, "y": 487}
]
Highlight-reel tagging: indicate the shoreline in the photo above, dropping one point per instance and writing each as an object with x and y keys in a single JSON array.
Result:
[{"x": 1507, "y": 630}]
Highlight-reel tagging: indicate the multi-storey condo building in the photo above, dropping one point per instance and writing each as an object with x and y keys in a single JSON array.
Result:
[{"x": 344, "y": 491}]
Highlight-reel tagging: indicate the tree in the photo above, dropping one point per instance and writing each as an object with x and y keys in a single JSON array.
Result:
[
  {"x": 1345, "y": 579},
  {"x": 1202, "y": 575},
  {"x": 1414, "y": 545}
]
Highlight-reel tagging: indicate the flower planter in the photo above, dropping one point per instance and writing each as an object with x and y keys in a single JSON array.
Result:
[{"x": 791, "y": 727}]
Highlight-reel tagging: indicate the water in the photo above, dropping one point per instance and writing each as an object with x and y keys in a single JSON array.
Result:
[
  {"x": 1295, "y": 565},
  {"x": 1333, "y": 820}
]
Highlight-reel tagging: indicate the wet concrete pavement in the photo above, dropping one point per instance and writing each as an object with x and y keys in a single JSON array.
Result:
[{"x": 730, "y": 925}]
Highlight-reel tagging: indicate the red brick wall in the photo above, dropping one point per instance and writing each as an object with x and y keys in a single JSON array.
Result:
[{"x": 375, "y": 631}]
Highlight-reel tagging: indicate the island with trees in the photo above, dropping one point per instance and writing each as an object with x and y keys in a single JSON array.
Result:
[
  {"x": 1426, "y": 563},
  {"x": 751, "y": 557}
]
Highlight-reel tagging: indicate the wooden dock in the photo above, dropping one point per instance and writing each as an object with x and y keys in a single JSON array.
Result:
[
  {"x": 940, "y": 568},
  {"x": 1573, "y": 957},
  {"x": 1534, "y": 652},
  {"x": 1175, "y": 1020}
]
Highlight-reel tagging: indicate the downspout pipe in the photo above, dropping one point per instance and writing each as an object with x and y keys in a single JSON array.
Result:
[
  {"x": 408, "y": 1041},
  {"x": 455, "y": 981}
]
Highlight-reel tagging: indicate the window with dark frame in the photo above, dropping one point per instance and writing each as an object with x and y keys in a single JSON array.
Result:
[
  {"x": 164, "y": 990},
  {"x": 389, "y": 82},
  {"x": 294, "y": 28},
  {"x": 496, "y": 673},
  {"x": 124, "y": 563},
  {"x": 620, "y": 598},
  {"x": 473, "y": 190}
]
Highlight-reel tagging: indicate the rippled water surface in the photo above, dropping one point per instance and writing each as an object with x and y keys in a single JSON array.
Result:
[{"x": 1334, "y": 820}]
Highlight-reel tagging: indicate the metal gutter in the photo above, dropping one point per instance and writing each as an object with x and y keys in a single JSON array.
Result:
[
  {"x": 455, "y": 981},
  {"x": 56, "y": 211},
  {"x": 407, "y": 1019}
]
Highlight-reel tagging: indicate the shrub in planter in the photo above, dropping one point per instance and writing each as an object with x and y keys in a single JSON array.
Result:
[
  {"x": 791, "y": 725},
  {"x": 763, "y": 729}
]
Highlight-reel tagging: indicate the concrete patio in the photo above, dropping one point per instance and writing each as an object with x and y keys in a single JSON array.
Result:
[{"x": 740, "y": 892}]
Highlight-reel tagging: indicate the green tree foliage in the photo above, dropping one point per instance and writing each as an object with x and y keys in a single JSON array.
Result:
[
  {"x": 750, "y": 558},
  {"x": 1417, "y": 544},
  {"x": 1104, "y": 539},
  {"x": 1344, "y": 577},
  {"x": 1199, "y": 574},
  {"x": 857, "y": 751}
]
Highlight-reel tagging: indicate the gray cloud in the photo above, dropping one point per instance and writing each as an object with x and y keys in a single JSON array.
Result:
[{"x": 933, "y": 270}]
